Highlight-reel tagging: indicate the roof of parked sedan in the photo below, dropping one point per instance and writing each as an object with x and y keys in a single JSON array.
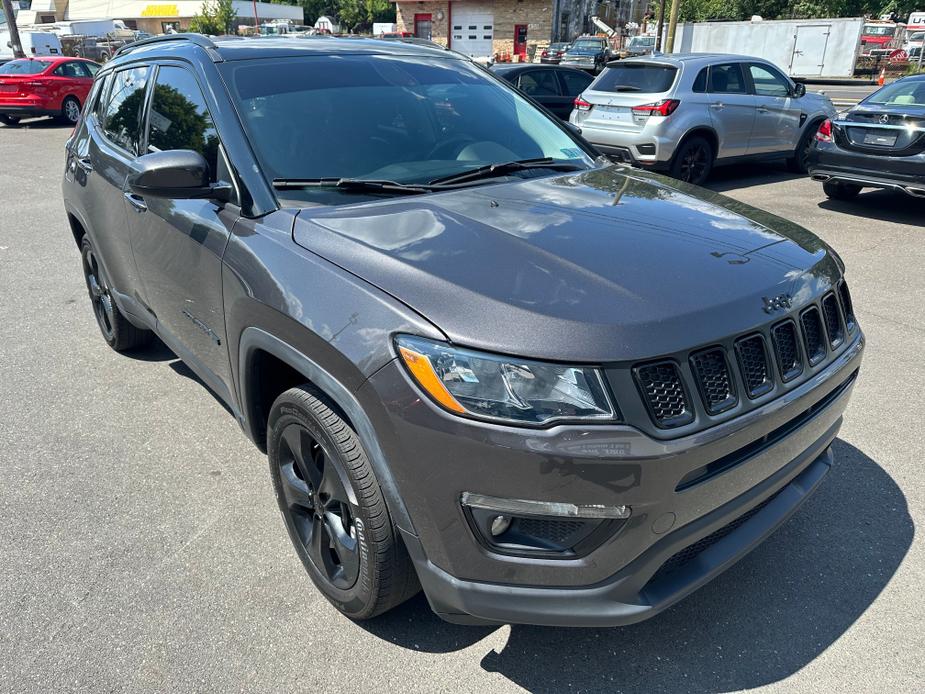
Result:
[
  {"x": 237, "y": 48},
  {"x": 688, "y": 57}
]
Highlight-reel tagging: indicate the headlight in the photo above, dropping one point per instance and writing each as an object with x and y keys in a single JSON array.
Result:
[{"x": 505, "y": 388}]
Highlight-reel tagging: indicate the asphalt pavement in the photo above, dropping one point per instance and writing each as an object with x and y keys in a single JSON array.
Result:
[{"x": 141, "y": 548}]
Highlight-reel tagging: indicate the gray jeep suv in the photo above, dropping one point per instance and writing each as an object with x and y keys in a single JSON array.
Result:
[
  {"x": 543, "y": 387},
  {"x": 685, "y": 113}
]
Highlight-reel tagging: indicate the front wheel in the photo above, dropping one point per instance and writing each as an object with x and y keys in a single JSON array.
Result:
[
  {"x": 333, "y": 507},
  {"x": 799, "y": 162},
  {"x": 693, "y": 161},
  {"x": 840, "y": 191}
]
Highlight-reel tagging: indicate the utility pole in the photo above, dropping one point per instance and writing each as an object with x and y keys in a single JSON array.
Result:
[
  {"x": 658, "y": 26},
  {"x": 672, "y": 25},
  {"x": 13, "y": 29}
]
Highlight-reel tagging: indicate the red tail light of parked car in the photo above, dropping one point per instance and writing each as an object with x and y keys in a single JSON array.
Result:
[{"x": 824, "y": 134}]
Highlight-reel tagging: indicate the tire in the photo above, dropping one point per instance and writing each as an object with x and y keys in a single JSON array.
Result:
[
  {"x": 326, "y": 489},
  {"x": 9, "y": 121},
  {"x": 693, "y": 161},
  {"x": 799, "y": 162},
  {"x": 70, "y": 110},
  {"x": 840, "y": 191},
  {"x": 118, "y": 332}
]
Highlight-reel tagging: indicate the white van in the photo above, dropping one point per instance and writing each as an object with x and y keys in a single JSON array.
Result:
[{"x": 33, "y": 43}]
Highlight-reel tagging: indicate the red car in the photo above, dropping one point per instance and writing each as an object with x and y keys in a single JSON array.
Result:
[{"x": 45, "y": 86}]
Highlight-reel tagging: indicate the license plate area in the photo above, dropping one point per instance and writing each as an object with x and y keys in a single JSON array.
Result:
[
  {"x": 879, "y": 139},
  {"x": 617, "y": 114},
  {"x": 7, "y": 88}
]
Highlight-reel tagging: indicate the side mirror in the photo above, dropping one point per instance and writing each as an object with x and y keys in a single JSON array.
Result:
[
  {"x": 572, "y": 128},
  {"x": 799, "y": 89},
  {"x": 180, "y": 174}
]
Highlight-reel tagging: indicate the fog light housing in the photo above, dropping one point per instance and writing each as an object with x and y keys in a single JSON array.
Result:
[{"x": 552, "y": 530}]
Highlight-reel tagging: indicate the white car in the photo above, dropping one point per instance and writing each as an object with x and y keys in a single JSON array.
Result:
[{"x": 913, "y": 42}]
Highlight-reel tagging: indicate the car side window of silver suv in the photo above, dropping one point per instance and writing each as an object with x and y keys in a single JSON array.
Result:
[
  {"x": 768, "y": 82},
  {"x": 727, "y": 78}
]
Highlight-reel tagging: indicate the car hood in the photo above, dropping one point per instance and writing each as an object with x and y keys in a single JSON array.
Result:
[{"x": 604, "y": 265}]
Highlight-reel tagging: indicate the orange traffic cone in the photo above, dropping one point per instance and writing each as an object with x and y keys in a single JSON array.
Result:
[{"x": 882, "y": 78}]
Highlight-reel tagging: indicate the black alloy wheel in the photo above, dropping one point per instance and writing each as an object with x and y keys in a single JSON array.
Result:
[
  {"x": 103, "y": 308},
  {"x": 693, "y": 161},
  {"x": 70, "y": 110},
  {"x": 317, "y": 507},
  {"x": 799, "y": 162}
]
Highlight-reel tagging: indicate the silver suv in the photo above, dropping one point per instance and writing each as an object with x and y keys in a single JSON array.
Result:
[{"x": 685, "y": 113}]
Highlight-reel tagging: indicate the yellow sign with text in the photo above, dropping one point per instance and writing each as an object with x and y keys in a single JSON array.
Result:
[{"x": 160, "y": 11}]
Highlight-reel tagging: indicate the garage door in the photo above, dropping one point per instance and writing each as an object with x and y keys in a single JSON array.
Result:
[{"x": 472, "y": 31}]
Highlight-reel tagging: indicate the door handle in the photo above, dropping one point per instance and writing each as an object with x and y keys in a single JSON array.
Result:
[
  {"x": 717, "y": 105},
  {"x": 762, "y": 109},
  {"x": 137, "y": 202}
]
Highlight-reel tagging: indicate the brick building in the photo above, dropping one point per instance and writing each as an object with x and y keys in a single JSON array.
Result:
[{"x": 482, "y": 28}]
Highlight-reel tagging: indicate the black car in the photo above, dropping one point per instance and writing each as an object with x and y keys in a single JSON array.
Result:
[
  {"x": 591, "y": 53},
  {"x": 880, "y": 143},
  {"x": 481, "y": 360},
  {"x": 553, "y": 53},
  {"x": 555, "y": 88}
]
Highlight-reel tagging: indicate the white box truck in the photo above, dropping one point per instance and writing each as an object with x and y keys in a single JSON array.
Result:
[{"x": 33, "y": 43}]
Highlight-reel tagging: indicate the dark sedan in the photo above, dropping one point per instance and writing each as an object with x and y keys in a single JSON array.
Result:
[
  {"x": 880, "y": 143},
  {"x": 553, "y": 54},
  {"x": 554, "y": 87}
]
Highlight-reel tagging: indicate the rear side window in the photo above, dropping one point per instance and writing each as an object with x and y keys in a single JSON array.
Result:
[
  {"x": 72, "y": 69},
  {"x": 575, "y": 82},
  {"x": 179, "y": 118},
  {"x": 639, "y": 77},
  {"x": 727, "y": 79},
  {"x": 122, "y": 114},
  {"x": 700, "y": 84},
  {"x": 540, "y": 83}
]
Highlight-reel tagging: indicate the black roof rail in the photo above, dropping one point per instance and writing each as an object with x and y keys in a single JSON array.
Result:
[{"x": 196, "y": 39}]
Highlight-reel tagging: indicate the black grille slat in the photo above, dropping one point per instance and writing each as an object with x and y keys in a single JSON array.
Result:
[
  {"x": 844, "y": 296},
  {"x": 556, "y": 531},
  {"x": 787, "y": 350},
  {"x": 752, "y": 355},
  {"x": 833, "y": 326},
  {"x": 714, "y": 380},
  {"x": 813, "y": 335},
  {"x": 664, "y": 394}
]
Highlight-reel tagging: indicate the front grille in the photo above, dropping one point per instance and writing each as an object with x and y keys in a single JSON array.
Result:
[
  {"x": 664, "y": 394},
  {"x": 846, "y": 306},
  {"x": 754, "y": 365},
  {"x": 833, "y": 325},
  {"x": 682, "y": 388},
  {"x": 787, "y": 351},
  {"x": 555, "y": 531},
  {"x": 713, "y": 380},
  {"x": 813, "y": 336}
]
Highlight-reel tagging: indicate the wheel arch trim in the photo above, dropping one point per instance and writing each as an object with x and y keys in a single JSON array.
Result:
[{"x": 255, "y": 339}]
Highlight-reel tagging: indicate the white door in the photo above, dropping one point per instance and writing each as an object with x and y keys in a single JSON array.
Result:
[
  {"x": 809, "y": 50},
  {"x": 472, "y": 31}
]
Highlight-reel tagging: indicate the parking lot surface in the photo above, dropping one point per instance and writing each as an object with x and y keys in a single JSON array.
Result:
[{"x": 141, "y": 547}]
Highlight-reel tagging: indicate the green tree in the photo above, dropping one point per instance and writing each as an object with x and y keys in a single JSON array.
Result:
[{"x": 216, "y": 17}]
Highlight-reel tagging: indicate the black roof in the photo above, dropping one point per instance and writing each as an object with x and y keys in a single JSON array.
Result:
[{"x": 237, "y": 48}]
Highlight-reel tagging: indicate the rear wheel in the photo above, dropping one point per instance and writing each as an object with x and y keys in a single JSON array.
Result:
[
  {"x": 118, "y": 332},
  {"x": 9, "y": 120},
  {"x": 840, "y": 191},
  {"x": 333, "y": 507},
  {"x": 693, "y": 161},
  {"x": 70, "y": 110}
]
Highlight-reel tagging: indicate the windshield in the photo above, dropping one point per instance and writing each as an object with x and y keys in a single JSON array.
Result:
[
  {"x": 904, "y": 92},
  {"x": 392, "y": 118},
  {"x": 642, "y": 41},
  {"x": 878, "y": 30},
  {"x": 587, "y": 45},
  {"x": 23, "y": 67},
  {"x": 635, "y": 77}
]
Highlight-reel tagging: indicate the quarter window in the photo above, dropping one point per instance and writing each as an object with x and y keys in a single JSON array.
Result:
[
  {"x": 727, "y": 79},
  {"x": 179, "y": 118},
  {"x": 122, "y": 115},
  {"x": 700, "y": 84},
  {"x": 768, "y": 82}
]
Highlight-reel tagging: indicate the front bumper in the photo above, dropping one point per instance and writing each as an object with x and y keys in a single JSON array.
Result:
[{"x": 436, "y": 457}]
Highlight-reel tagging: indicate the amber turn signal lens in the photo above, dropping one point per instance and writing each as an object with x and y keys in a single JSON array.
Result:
[{"x": 423, "y": 372}]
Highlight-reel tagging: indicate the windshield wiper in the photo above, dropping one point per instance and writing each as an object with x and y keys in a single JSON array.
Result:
[
  {"x": 352, "y": 184},
  {"x": 492, "y": 170}
]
